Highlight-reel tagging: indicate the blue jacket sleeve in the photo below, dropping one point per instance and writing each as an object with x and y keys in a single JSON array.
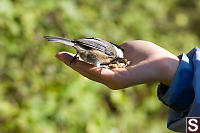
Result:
[{"x": 183, "y": 95}]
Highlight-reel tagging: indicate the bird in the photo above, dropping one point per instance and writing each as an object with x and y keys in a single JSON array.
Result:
[{"x": 94, "y": 51}]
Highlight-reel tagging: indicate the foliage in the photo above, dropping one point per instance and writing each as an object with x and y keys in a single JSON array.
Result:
[{"x": 39, "y": 94}]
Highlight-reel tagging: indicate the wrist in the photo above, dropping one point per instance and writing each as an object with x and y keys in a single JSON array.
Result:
[{"x": 170, "y": 67}]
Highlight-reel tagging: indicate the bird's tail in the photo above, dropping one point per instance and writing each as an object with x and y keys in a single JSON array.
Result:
[{"x": 60, "y": 40}]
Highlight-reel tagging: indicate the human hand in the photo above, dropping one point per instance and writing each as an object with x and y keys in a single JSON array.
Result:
[{"x": 149, "y": 63}]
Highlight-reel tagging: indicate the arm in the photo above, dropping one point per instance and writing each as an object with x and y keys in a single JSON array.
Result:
[
  {"x": 183, "y": 95},
  {"x": 149, "y": 63}
]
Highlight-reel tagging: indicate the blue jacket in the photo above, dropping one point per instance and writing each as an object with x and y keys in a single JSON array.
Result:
[{"x": 183, "y": 95}]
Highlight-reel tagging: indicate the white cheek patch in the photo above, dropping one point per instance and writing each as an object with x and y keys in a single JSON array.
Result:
[{"x": 120, "y": 54}]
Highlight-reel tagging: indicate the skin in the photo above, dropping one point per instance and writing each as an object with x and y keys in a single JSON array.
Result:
[{"x": 149, "y": 63}]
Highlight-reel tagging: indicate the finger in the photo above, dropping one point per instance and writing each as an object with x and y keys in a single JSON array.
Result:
[
  {"x": 79, "y": 65},
  {"x": 83, "y": 68},
  {"x": 67, "y": 58}
]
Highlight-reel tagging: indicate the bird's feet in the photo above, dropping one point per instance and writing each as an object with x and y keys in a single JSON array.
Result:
[{"x": 74, "y": 59}]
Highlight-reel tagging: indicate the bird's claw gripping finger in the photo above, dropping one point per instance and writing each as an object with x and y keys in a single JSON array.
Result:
[{"x": 74, "y": 59}]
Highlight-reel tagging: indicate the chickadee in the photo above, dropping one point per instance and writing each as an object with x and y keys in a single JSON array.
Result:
[{"x": 95, "y": 51}]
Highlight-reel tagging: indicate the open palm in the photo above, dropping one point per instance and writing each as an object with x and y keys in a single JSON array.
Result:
[{"x": 149, "y": 63}]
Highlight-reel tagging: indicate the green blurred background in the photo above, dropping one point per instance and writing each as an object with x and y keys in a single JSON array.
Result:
[{"x": 39, "y": 94}]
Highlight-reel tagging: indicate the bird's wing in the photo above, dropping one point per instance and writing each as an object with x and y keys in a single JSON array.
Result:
[{"x": 97, "y": 44}]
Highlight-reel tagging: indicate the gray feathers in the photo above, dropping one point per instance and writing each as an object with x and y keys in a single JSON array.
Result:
[
  {"x": 89, "y": 43},
  {"x": 105, "y": 47},
  {"x": 60, "y": 40}
]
